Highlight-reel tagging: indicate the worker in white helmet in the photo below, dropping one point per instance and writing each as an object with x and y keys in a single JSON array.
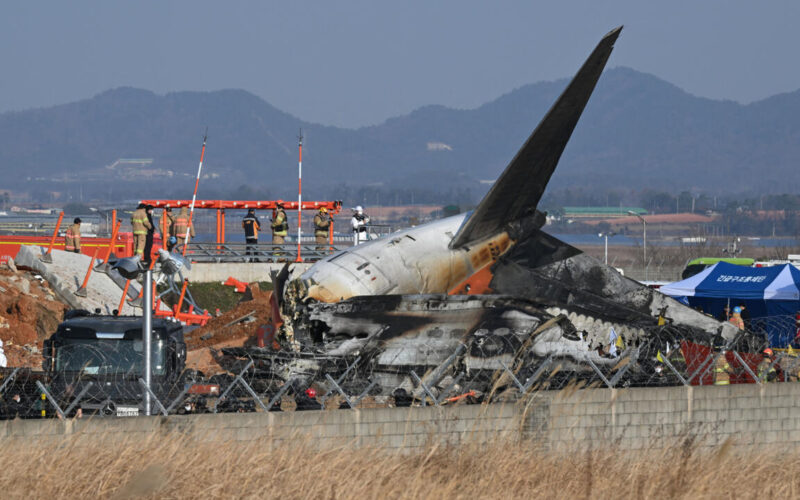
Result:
[{"x": 359, "y": 222}]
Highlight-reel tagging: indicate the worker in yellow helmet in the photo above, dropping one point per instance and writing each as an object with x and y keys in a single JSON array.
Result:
[{"x": 322, "y": 225}]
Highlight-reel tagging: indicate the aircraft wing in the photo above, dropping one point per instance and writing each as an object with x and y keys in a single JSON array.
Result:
[{"x": 521, "y": 185}]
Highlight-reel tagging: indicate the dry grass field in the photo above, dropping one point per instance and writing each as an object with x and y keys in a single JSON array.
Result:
[{"x": 177, "y": 467}]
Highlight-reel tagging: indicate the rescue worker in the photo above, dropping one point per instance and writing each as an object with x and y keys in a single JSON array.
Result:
[
  {"x": 766, "y": 368},
  {"x": 148, "y": 239},
  {"x": 359, "y": 222},
  {"x": 307, "y": 400},
  {"x": 280, "y": 227},
  {"x": 140, "y": 224},
  {"x": 251, "y": 227},
  {"x": 182, "y": 223},
  {"x": 322, "y": 225},
  {"x": 167, "y": 227},
  {"x": 72, "y": 237},
  {"x": 736, "y": 318},
  {"x": 745, "y": 315},
  {"x": 722, "y": 370}
]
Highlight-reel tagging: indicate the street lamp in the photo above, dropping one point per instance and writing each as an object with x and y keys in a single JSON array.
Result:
[
  {"x": 644, "y": 240},
  {"x": 130, "y": 268},
  {"x": 605, "y": 235}
]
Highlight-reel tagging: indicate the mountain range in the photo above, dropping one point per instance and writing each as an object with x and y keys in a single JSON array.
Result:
[{"x": 637, "y": 132}]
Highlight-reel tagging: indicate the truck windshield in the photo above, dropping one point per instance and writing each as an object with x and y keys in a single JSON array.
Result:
[{"x": 107, "y": 357}]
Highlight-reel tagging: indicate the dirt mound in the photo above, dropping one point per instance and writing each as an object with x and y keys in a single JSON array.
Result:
[
  {"x": 29, "y": 310},
  {"x": 215, "y": 332}
]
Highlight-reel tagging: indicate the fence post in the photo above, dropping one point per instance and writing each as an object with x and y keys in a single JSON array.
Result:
[
  {"x": 81, "y": 292},
  {"x": 8, "y": 380},
  {"x": 47, "y": 258},
  {"x": 152, "y": 398}
]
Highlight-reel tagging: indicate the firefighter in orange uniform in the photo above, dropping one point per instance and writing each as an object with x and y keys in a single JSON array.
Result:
[
  {"x": 141, "y": 225},
  {"x": 322, "y": 224},
  {"x": 72, "y": 237},
  {"x": 182, "y": 222}
]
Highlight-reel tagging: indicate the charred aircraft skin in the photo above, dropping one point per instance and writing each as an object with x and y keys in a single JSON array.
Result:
[{"x": 463, "y": 297}]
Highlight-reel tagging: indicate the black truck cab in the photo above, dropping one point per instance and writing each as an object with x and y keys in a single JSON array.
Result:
[{"x": 109, "y": 352}]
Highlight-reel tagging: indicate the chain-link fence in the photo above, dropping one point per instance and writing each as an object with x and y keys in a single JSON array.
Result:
[
  {"x": 777, "y": 330},
  {"x": 105, "y": 379}
]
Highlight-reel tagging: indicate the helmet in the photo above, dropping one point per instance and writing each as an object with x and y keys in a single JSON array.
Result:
[
  {"x": 77, "y": 220},
  {"x": 279, "y": 203},
  {"x": 251, "y": 211},
  {"x": 768, "y": 352},
  {"x": 310, "y": 392},
  {"x": 172, "y": 240},
  {"x": 737, "y": 310},
  {"x": 359, "y": 209},
  {"x": 323, "y": 210}
]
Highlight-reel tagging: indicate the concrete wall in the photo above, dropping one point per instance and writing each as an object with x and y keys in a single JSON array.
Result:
[
  {"x": 203, "y": 272},
  {"x": 637, "y": 418},
  {"x": 641, "y": 418},
  {"x": 404, "y": 428}
]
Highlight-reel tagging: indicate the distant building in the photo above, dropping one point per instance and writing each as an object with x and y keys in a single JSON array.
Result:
[{"x": 601, "y": 212}]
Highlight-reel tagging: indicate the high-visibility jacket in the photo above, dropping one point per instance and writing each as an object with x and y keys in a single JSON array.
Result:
[
  {"x": 722, "y": 371},
  {"x": 168, "y": 220},
  {"x": 182, "y": 222},
  {"x": 280, "y": 226},
  {"x": 73, "y": 238},
  {"x": 766, "y": 371},
  {"x": 140, "y": 221},
  {"x": 737, "y": 321},
  {"x": 321, "y": 225},
  {"x": 251, "y": 226}
]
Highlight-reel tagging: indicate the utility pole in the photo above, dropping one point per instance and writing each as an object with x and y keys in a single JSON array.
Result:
[
  {"x": 299, "y": 192},
  {"x": 605, "y": 235}
]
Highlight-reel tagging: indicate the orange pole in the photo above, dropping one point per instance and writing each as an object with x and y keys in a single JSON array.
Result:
[
  {"x": 183, "y": 293},
  {"x": 55, "y": 233},
  {"x": 194, "y": 197},
  {"x": 218, "y": 233},
  {"x": 124, "y": 294},
  {"x": 299, "y": 194},
  {"x": 91, "y": 266},
  {"x": 114, "y": 229},
  {"x": 222, "y": 226}
]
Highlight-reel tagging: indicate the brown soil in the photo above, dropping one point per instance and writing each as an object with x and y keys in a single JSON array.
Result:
[
  {"x": 205, "y": 354},
  {"x": 243, "y": 331},
  {"x": 29, "y": 313}
]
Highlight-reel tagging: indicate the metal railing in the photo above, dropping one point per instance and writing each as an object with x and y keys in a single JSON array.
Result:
[{"x": 259, "y": 252}]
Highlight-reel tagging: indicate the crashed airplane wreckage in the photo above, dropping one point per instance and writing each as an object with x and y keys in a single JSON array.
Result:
[{"x": 460, "y": 298}]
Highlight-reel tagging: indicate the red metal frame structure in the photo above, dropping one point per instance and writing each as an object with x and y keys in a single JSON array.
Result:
[{"x": 334, "y": 207}]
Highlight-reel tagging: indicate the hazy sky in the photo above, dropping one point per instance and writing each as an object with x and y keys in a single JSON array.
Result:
[{"x": 354, "y": 63}]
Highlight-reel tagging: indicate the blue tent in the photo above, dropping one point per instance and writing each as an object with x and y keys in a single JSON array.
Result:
[{"x": 767, "y": 292}]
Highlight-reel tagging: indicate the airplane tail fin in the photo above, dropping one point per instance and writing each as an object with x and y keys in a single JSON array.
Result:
[{"x": 520, "y": 187}]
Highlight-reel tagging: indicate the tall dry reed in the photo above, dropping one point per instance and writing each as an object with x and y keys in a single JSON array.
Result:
[{"x": 177, "y": 466}]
